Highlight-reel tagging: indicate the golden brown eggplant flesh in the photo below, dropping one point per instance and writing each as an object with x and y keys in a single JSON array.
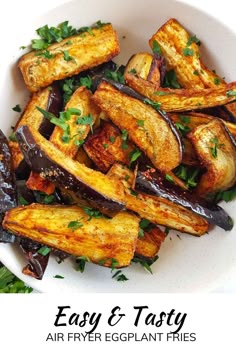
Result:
[
  {"x": 104, "y": 147},
  {"x": 156, "y": 185},
  {"x": 217, "y": 152},
  {"x": 71, "y": 230},
  {"x": 175, "y": 100},
  {"x": 149, "y": 245},
  {"x": 69, "y": 57},
  {"x": 181, "y": 53},
  {"x": 153, "y": 133},
  {"x": 45, "y": 159},
  {"x": 50, "y": 99},
  {"x": 144, "y": 65},
  {"x": 81, "y": 101},
  {"x": 158, "y": 210}
]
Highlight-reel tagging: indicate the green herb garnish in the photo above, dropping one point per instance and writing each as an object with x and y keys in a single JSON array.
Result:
[
  {"x": 217, "y": 81},
  {"x": 12, "y": 137},
  {"x": 170, "y": 80},
  {"x": 22, "y": 201},
  {"x": 81, "y": 262},
  {"x": 193, "y": 39},
  {"x": 134, "y": 155},
  {"x": 44, "y": 251},
  {"x": 169, "y": 178},
  {"x": 17, "y": 108},
  {"x": 67, "y": 56},
  {"x": 9, "y": 283},
  {"x": 215, "y": 147},
  {"x": 145, "y": 264},
  {"x": 188, "y": 52},
  {"x": 140, "y": 123},
  {"x": 86, "y": 120},
  {"x": 156, "y": 48},
  {"x": 155, "y": 105},
  {"x": 58, "y": 276},
  {"x": 231, "y": 93},
  {"x": 117, "y": 75},
  {"x": 75, "y": 225}
]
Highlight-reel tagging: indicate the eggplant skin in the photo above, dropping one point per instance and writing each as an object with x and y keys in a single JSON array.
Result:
[
  {"x": 99, "y": 239},
  {"x": 45, "y": 159},
  {"x": 216, "y": 150},
  {"x": 175, "y": 100},
  {"x": 158, "y": 210},
  {"x": 157, "y": 186},
  {"x": 49, "y": 99},
  {"x": 86, "y": 51},
  {"x": 156, "y": 130}
]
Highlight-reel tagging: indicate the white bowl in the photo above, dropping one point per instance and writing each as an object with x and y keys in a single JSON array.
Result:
[{"x": 188, "y": 265}]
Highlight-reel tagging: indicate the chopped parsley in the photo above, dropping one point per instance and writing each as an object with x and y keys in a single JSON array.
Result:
[
  {"x": 227, "y": 196},
  {"x": 45, "y": 54},
  {"x": 182, "y": 128},
  {"x": 140, "y": 123},
  {"x": 75, "y": 225},
  {"x": 124, "y": 138},
  {"x": 112, "y": 139},
  {"x": 166, "y": 231},
  {"x": 155, "y": 105},
  {"x": 215, "y": 146},
  {"x": 132, "y": 192},
  {"x": 58, "y": 276},
  {"x": 81, "y": 262},
  {"x": 22, "y": 201},
  {"x": 193, "y": 39},
  {"x": 119, "y": 276},
  {"x": 9, "y": 283},
  {"x": 133, "y": 71},
  {"x": 92, "y": 213},
  {"x": 145, "y": 264},
  {"x": 170, "y": 80},
  {"x": 44, "y": 251},
  {"x": 145, "y": 225},
  {"x": 156, "y": 48},
  {"x": 169, "y": 178},
  {"x": 12, "y": 137},
  {"x": 196, "y": 72},
  {"x": 134, "y": 155},
  {"x": 17, "y": 108},
  {"x": 117, "y": 75},
  {"x": 49, "y": 35},
  {"x": 87, "y": 120},
  {"x": 217, "y": 81},
  {"x": 188, "y": 52},
  {"x": 162, "y": 93},
  {"x": 86, "y": 81},
  {"x": 231, "y": 93},
  {"x": 67, "y": 56},
  {"x": 188, "y": 174}
]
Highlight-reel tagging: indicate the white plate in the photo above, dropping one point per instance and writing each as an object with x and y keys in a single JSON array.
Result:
[{"x": 187, "y": 265}]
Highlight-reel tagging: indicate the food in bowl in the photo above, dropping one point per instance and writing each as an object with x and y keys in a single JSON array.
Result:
[{"x": 104, "y": 155}]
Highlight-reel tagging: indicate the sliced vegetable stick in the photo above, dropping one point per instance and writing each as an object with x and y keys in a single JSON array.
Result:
[
  {"x": 69, "y": 57},
  {"x": 151, "y": 136},
  {"x": 70, "y": 229},
  {"x": 173, "y": 100}
]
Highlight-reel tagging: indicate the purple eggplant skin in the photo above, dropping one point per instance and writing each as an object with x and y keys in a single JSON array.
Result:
[
  {"x": 54, "y": 106},
  {"x": 37, "y": 262},
  {"x": 8, "y": 195},
  {"x": 156, "y": 185},
  {"x": 39, "y": 162},
  {"x": 130, "y": 92}
]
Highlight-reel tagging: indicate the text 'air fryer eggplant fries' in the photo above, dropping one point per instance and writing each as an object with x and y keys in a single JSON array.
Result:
[{"x": 103, "y": 157}]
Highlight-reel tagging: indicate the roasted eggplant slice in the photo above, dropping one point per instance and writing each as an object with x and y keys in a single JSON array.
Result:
[
  {"x": 175, "y": 100},
  {"x": 69, "y": 57},
  {"x": 8, "y": 195},
  {"x": 181, "y": 52},
  {"x": 144, "y": 65},
  {"x": 49, "y": 99},
  {"x": 37, "y": 261},
  {"x": 105, "y": 147},
  {"x": 158, "y": 210},
  {"x": 71, "y": 230},
  {"x": 216, "y": 150},
  {"x": 149, "y": 244},
  {"x": 154, "y": 184},
  {"x": 146, "y": 127},
  {"x": 45, "y": 159},
  {"x": 78, "y": 131}
]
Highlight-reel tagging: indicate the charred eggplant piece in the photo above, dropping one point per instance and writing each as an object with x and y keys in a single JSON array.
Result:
[
  {"x": 69, "y": 57},
  {"x": 37, "y": 261},
  {"x": 216, "y": 149},
  {"x": 104, "y": 147},
  {"x": 71, "y": 230},
  {"x": 8, "y": 195},
  {"x": 175, "y": 100},
  {"x": 148, "y": 129},
  {"x": 49, "y": 99},
  {"x": 154, "y": 184},
  {"x": 45, "y": 159},
  {"x": 80, "y": 101},
  {"x": 158, "y": 210}
]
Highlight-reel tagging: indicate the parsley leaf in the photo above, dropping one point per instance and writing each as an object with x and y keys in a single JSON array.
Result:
[
  {"x": 44, "y": 251},
  {"x": 188, "y": 52},
  {"x": 188, "y": 174},
  {"x": 227, "y": 196},
  {"x": 117, "y": 75},
  {"x": 155, "y": 105},
  {"x": 134, "y": 155},
  {"x": 86, "y": 120},
  {"x": 81, "y": 262},
  {"x": 170, "y": 80},
  {"x": 231, "y": 93},
  {"x": 74, "y": 225},
  {"x": 146, "y": 264},
  {"x": 193, "y": 39},
  {"x": 17, "y": 108},
  {"x": 67, "y": 56},
  {"x": 156, "y": 48},
  {"x": 215, "y": 146},
  {"x": 9, "y": 283}
]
